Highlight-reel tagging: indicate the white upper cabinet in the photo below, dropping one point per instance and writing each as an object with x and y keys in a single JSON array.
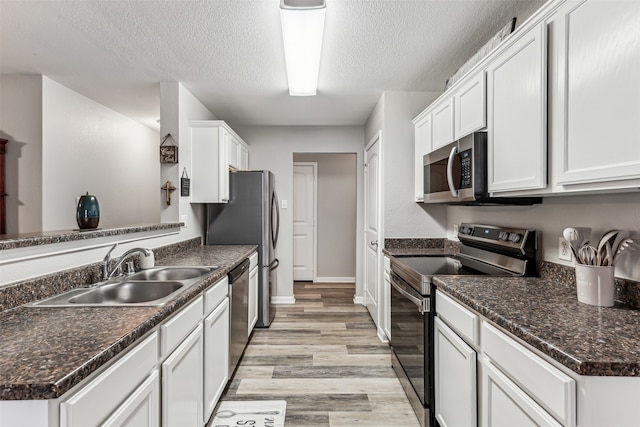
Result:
[
  {"x": 442, "y": 123},
  {"x": 215, "y": 147},
  {"x": 596, "y": 99},
  {"x": 470, "y": 106},
  {"x": 516, "y": 110},
  {"x": 238, "y": 153},
  {"x": 422, "y": 141}
]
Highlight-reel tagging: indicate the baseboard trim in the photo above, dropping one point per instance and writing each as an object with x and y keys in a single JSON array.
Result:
[
  {"x": 358, "y": 300},
  {"x": 335, "y": 279},
  {"x": 283, "y": 300}
]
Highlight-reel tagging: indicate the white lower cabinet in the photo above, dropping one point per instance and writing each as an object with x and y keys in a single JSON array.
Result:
[
  {"x": 109, "y": 393},
  {"x": 517, "y": 387},
  {"x": 455, "y": 379},
  {"x": 182, "y": 383},
  {"x": 216, "y": 356},
  {"x": 173, "y": 378},
  {"x": 142, "y": 408},
  {"x": 504, "y": 404}
]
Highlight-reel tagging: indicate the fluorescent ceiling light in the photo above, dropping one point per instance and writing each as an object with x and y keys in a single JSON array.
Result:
[{"x": 302, "y": 28}]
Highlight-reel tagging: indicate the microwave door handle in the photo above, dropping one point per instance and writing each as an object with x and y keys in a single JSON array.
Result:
[{"x": 454, "y": 191}]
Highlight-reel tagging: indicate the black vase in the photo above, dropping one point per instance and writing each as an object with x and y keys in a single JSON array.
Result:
[{"x": 88, "y": 212}]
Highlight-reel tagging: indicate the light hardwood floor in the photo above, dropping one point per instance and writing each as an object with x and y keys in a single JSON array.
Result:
[{"x": 323, "y": 357}]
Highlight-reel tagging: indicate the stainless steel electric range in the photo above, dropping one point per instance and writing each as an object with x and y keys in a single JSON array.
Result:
[{"x": 484, "y": 250}]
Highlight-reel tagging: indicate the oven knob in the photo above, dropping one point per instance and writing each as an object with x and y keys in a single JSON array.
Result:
[
  {"x": 503, "y": 235},
  {"x": 515, "y": 237}
]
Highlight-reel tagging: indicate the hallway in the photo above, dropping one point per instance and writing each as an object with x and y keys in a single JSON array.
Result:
[{"x": 323, "y": 357}]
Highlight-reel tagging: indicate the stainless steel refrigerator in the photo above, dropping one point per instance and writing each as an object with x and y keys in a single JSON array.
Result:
[{"x": 251, "y": 217}]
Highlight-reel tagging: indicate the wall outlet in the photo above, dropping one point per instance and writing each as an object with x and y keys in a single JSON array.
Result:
[
  {"x": 455, "y": 230},
  {"x": 564, "y": 250},
  {"x": 184, "y": 219}
]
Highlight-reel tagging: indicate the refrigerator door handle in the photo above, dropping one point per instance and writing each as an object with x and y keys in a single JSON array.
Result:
[
  {"x": 274, "y": 264},
  {"x": 275, "y": 214}
]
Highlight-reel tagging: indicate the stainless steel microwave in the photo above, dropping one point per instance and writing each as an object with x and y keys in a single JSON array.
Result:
[{"x": 457, "y": 174}]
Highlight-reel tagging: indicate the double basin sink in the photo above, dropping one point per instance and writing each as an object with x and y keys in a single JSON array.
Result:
[{"x": 152, "y": 287}]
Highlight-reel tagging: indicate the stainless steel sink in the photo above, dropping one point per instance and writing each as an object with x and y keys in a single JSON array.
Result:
[
  {"x": 171, "y": 273},
  {"x": 127, "y": 293},
  {"x": 151, "y": 287}
]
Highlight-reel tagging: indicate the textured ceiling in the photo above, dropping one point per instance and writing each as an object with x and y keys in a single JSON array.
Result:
[{"x": 229, "y": 53}]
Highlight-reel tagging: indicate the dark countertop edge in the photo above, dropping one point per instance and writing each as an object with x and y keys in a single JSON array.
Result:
[
  {"x": 586, "y": 368},
  {"x": 15, "y": 241},
  {"x": 56, "y": 389}
]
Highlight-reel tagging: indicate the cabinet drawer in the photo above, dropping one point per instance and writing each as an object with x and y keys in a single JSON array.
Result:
[
  {"x": 459, "y": 318},
  {"x": 92, "y": 404},
  {"x": 176, "y": 329},
  {"x": 215, "y": 295},
  {"x": 547, "y": 385},
  {"x": 253, "y": 260}
]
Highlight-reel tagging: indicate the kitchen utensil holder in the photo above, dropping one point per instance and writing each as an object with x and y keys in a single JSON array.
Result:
[{"x": 595, "y": 284}]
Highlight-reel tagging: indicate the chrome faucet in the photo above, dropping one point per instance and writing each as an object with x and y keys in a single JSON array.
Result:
[{"x": 106, "y": 272}]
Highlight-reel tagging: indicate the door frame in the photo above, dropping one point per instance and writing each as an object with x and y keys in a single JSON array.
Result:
[
  {"x": 377, "y": 137},
  {"x": 314, "y": 257}
]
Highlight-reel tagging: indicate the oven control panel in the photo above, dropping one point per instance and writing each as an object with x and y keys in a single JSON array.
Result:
[{"x": 507, "y": 238}]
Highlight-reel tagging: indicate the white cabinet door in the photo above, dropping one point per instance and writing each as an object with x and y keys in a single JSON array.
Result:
[
  {"x": 216, "y": 356},
  {"x": 422, "y": 145},
  {"x": 455, "y": 379},
  {"x": 598, "y": 60},
  {"x": 233, "y": 152},
  {"x": 470, "y": 106},
  {"x": 209, "y": 162},
  {"x": 244, "y": 157},
  {"x": 253, "y": 299},
  {"x": 142, "y": 408},
  {"x": 182, "y": 383},
  {"x": 223, "y": 167},
  {"x": 442, "y": 119},
  {"x": 516, "y": 110},
  {"x": 505, "y": 405}
]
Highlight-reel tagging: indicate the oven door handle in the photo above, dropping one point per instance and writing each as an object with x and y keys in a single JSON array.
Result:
[{"x": 419, "y": 302}]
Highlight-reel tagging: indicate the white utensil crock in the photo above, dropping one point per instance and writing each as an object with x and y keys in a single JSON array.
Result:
[{"x": 595, "y": 284}]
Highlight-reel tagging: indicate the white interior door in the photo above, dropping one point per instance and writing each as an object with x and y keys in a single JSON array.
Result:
[
  {"x": 304, "y": 219},
  {"x": 372, "y": 226}
]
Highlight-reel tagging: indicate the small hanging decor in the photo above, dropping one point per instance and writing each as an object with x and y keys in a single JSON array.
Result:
[
  {"x": 185, "y": 183},
  {"x": 169, "y": 188},
  {"x": 168, "y": 152}
]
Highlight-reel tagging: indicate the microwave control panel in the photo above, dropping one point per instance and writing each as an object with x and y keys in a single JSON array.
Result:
[{"x": 465, "y": 163}]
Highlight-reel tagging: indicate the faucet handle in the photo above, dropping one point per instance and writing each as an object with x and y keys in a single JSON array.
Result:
[{"x": 107, "y": 257}]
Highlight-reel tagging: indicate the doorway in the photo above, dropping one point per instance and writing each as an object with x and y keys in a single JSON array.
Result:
[{"x": 331, "y": 204}]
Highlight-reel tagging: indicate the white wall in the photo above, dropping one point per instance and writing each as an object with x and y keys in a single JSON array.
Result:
[
  {"x": 177, "y": 107},
  {"x": 88, "y": 147},
  {"x": 600, "y": 212},
  {"x": 62, "y": 145},
  {"x": 401, "y": 216},
  {"x": 136, "y": 164},
  {"x": 272, "y": 148},
  {"x": 21, "y": 124},
  {"x": 336, "y": 211}
]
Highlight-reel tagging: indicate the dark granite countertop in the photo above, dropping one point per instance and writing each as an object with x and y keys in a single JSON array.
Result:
[
  {"x": 589, "y": 340},
  {"x": 25, "y": 240},
  {"x": 46, "y": 351}
]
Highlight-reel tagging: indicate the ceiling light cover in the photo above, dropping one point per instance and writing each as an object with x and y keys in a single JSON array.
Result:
[{"x": 302, "y": 30}]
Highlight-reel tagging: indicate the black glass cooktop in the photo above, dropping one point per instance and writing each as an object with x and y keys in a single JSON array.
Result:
[{"x": 437, "y": 266}]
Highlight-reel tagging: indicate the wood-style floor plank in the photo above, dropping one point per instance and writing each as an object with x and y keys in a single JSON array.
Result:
[{"x": 323, "y": 356}]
